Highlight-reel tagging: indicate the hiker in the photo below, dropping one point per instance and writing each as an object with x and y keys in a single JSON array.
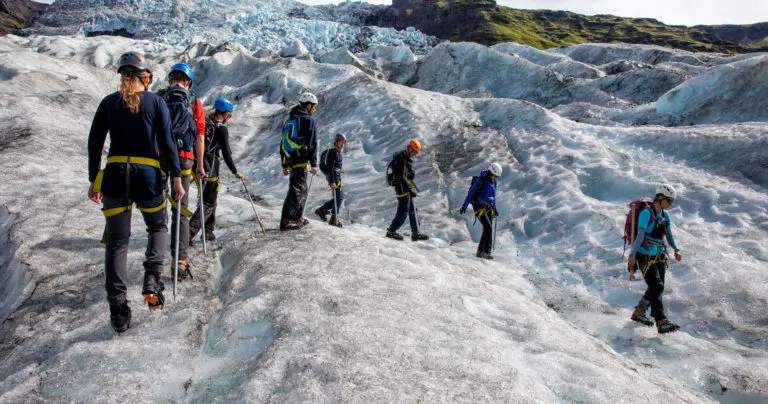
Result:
[
  {"x": 405, "y": 190},
  {"x": 298, "y": 149},
  {"x": 188, "y": 129},
  {"x": 137, "y": 122},
  {"x": 649, "y": 253},
  {"x": 332, "y": 159},
  {"x": 482, "y": 195},
  {"x": 216, "y": 140}
]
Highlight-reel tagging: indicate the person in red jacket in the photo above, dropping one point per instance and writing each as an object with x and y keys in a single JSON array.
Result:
[{"x": 188, "y": 127}]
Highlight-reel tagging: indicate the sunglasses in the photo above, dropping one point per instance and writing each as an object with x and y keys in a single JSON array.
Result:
[{"x": 670, "y": 201}]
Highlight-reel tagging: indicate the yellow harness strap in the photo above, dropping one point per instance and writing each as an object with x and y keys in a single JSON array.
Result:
[
  {"x": 152, "y": 210},
  {"x": 124, "y": 159},
  {"x": 404, "y": 195},
  {"x": 188, "y": 171},
  {"x": 300, "y": 165},
  {"x": 116, "y": 211},
  {"x": 184, "y": 211}
]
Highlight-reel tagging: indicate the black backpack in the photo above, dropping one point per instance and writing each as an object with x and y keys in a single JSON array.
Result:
[
  {"x": 390, "y": 174},
  {"x": 472, "y": 183},
  {"x": 325, "y": 168},
  {"x": 183, "y": 126}
]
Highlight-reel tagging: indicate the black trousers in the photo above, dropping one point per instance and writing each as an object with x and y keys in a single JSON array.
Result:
[
  {"x": 654, "y": 278},
  {"x": 185, "y": 164},
  {"x": 405, "y": 208},
  {"x": 486, "y": 240},
  {"x": 210, "y": 200},
  {"x": 118, "y": 236},
  {"x": 293, "y": 206}
]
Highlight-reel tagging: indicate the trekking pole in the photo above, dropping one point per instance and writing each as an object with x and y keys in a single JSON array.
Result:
[
  {"x": 263, "y": 230},
  {"x": 200, "y": 189},
  {"x": 493, "y": 240},
  {"x": 176, "y": 253},
  {"x": 305, "y": 201}
]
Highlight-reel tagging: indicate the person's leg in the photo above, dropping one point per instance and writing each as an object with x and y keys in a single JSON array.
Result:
[
  {"x": 155, "y": 218},
  {"x": 486, "y": 239},
  {"x": 302, "y": 191},
  {"x": 186, "y": 164},
  {"x": 118, "y": 227},
  {"x": 654, "y": 278},
  {"x": 402, "y": 212}
]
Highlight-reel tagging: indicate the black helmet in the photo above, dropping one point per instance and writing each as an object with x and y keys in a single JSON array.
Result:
[
  {"x": 132, "y": 59},
  {"x": 339, "y": 136}
]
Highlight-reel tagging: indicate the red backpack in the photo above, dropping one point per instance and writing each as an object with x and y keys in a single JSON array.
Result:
[{"x": 630, "y": 225}]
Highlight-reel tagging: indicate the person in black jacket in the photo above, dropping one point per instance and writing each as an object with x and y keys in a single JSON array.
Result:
[
  {"x": 298, "y": 149},
  {"x": 405, "y": 190},
  {"x": 138, "y": 123},
  {"x": 334, "y": 164},
  {"x": 215, "y": 123}
]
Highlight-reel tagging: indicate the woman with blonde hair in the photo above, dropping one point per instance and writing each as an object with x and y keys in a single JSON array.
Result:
[{"x": 138, "y": 123}]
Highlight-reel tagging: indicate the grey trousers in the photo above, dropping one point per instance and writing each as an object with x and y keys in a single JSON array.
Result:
[
  {"x": 118, "y": 236},
  {"x": 186, "y": 164}
]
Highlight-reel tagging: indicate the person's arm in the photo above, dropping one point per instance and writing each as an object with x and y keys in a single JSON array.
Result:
[
  {"x": 96, "y": 138},
  {"x": 312, "y": 133},
  {"x": 670, "y": 236},
  {"x": 223, "y": 135},
  {"x": 162, "y": 127},
  {"x": 644, "y": 218},
  {"x": 200, "y": 138}
]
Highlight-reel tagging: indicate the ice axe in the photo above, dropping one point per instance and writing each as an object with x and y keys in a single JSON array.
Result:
[{"x": 263, "y": 230}]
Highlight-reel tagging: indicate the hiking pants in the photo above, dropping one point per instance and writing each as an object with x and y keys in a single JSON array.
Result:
[
  {"x": 486, "y": 240},
  {"x": 329, "y": 204},
  {"x": 654, "y": 278},
  {"x": 211, "y": 187},
  {"x": 118, "y": 236},
  {"x": 293, "y": 207},
  {"x": 185, "y": 164},
  {"x": 405, "y": 207}
]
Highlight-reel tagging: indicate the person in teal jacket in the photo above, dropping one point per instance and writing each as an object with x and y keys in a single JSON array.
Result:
[{"x": 650, "y": 254}]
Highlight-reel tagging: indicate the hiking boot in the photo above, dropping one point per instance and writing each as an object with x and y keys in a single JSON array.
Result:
[
  {"x": 120, "y": 317},
  {"x": 184, "y": 271},
  {"x": 210, "y": 236},
  {"x": 419, "y": 236},
  {"x": 285, "y": 224},
  {"x": 301, "y": 221},
  {"x": 641, "y": 318},
  {"x": 153, "y": 290},
  {"x": 485, "y": 255},
  {"x": 664, "y": 326},
  {"x": 322, "y": 213},
  {"x": 394, "y": 235},
  {"x": 335, "y": 221}
]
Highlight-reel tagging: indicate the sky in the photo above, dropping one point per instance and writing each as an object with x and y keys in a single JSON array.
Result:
[{"x": 674, "y": 12}]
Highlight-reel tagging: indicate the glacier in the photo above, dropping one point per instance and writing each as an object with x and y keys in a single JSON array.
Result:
[{"x": 346, "y": 315}]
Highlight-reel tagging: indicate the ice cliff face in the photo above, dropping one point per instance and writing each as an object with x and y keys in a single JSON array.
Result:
[{"x": 257, "y": 24}]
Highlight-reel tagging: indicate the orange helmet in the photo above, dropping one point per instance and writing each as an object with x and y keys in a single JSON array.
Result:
[{"x": 415, "y": 145}]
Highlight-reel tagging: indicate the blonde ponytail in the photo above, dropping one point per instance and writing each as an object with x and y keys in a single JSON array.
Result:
[{"x": 129, "y": 90}]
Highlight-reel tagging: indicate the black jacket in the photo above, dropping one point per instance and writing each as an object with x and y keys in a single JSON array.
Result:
[
  {"x": 220, "y": 141},
  {"x": 402, "y": 168},
  {"x": 307, "y": 137}
]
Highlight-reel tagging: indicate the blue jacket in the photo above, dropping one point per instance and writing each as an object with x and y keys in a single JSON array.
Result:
[
  {"x": 131, "y": 135},
  {"x": 307, "y": 137},
  {"x": 484, "y": 189},
  {"x": 334, "y": 163}
]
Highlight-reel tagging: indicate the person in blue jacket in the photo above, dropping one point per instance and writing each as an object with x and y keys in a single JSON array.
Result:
[
  {"x": 295, "y": 163},
  {"x": 650, "y": 254},
  {"x": 137, "y": 122},
  {"x": 334, "y": 182},
  {"x": 482, "y": 195}
]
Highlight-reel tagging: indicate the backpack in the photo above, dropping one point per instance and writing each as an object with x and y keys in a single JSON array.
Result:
[
  {"x": 325, "y": 168},
  {"x": 630, "y": 224},
  {"x": 471, "y": 184},
  {"x": 183, "y": 126},
  {"x": 390, "y": 174},
  {"x": 289, "y": 138}
]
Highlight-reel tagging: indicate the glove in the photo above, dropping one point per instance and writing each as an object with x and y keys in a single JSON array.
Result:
[
  {"x": 495, "y": 212},
  {"x": 463, "y": 210}
]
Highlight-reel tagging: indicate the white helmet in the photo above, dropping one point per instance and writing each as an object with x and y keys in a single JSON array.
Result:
[
  {"x": 495, "y": 169},
  {"x": 307, "y": 97},
  {"x": 666, "y": 190}
]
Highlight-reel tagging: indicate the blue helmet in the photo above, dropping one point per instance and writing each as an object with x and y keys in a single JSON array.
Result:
[
  {"x": 182, "y": 67},
  {"x": 223, "y": 105}
]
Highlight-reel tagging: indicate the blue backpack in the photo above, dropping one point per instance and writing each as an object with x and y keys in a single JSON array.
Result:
[
  {"x": 183, "y": 126},
  {"x": 290, "y": 137}
]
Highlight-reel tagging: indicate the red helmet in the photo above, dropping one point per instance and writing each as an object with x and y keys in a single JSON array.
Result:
[{"x": 415, "y": 145}]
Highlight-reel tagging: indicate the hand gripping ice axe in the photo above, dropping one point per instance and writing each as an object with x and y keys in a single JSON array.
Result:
[{"x": 263, "y": 230}]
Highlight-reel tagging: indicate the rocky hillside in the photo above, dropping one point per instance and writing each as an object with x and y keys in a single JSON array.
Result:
[
  {"x": 17, "y": 14},
  {"x": 485, "y": 22},
  {"x": 749, "y": 35}
]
